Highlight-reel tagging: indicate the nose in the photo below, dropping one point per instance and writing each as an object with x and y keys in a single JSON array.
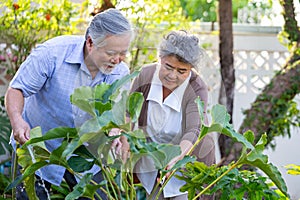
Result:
[
  {"x": 173, "y": 74},
  {"x": 116, "y": 59}
]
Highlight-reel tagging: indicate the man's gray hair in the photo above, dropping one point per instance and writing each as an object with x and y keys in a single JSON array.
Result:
[
  {"x": 109, "y": 22},
  {"x": 184, "y": 46}
]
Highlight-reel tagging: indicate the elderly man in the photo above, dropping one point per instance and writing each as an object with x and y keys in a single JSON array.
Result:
[{"x": 39, "y": 94}]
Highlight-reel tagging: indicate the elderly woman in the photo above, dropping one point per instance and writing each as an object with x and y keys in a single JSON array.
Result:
[{"x": 169, "y": 113}]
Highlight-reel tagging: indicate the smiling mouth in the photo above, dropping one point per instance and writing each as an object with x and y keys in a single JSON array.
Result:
[
  {"x": 170, "y": 81},
  {"x": 109, "y": 67}
]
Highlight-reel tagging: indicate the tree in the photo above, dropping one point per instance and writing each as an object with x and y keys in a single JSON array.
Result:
[
  {"x": 226, "y": 61},
  {"x": 275, "y": 103}
]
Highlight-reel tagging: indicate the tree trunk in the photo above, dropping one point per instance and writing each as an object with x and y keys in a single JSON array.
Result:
[
  {"x": 226, "y": 61},
  {"x": 282, "y": 89}
]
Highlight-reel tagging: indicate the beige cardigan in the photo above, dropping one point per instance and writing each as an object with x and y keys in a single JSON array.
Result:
[{"x": 191, "y": 123}]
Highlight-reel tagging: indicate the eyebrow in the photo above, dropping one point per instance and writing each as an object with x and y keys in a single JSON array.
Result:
[{"x": 178, "y": 69}]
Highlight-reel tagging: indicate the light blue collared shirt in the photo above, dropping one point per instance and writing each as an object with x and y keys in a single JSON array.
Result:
[{"x": 47, "y": 78}]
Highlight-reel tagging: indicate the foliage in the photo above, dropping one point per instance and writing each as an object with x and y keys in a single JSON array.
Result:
[
  {"x": 5, "y": 129},
  {"x": 26, "y": 23},
  {"x": 151, "y": 20},
  {"x": 90, "y": 144},
  {"x": 293, "y": 169},
  {"x": 4, "y": 182},
  {"x": 251, "y": 155},
  {"x": 237, "y": 184},
  {"x": 207, "y": 10}
]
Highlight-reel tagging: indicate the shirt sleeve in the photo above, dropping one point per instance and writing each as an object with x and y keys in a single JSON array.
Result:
[{"x": 33, "y": 72}]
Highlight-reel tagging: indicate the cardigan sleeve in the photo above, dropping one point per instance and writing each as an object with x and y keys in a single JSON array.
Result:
[{"x": 191, "y": 124}]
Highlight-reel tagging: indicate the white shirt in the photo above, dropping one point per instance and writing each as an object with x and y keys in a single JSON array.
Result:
[{"x": 163, "y": 126}]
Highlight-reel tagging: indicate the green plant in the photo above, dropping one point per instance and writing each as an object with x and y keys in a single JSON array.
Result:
[
  {"x": 90, "y": 144},
  {"x": 200, "y": 182},
  {"x": 293, "y": 169},
  {"x": 26, "y": 23},
  {"x": 5, "y": 130}
]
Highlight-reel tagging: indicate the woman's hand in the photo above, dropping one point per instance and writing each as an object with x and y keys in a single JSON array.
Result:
[
  {"x": 185, "y": 146},
  {"x": 120, "y": 145}
]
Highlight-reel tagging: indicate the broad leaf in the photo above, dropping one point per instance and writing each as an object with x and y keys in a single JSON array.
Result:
[
  {"x": 29, "y": 184},
  {"x": 79, "y": 164},
  {"x": 29, "y": 171},
  {"x": 135, "y": 103},
  {"x": 55, "y": 133},
  {"x": 221, "y": 124},
  {"x": 79, "y": 189},
  {"x": 117, "y": 85},
  {"x": 83, "y": 98},
  {"x": 36, "y": 133},
  {"x": 56, "y": 156},
  {"x": 119, "y": 109},
  {"x": 258, "y": 159}
]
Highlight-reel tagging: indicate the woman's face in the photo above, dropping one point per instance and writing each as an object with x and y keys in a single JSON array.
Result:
[{"x": 172, "y": 72}]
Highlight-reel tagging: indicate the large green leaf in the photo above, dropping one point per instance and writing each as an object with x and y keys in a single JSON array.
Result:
[
  {"x": 5, "y": 129},
  {"x": 36, "y": 133},
  {"x": 163, "y": 154},
  {"x": 135, "y": 103},
  {"x": 119, "y": 109},
  {"x": 258, "y": 159},
  {"x": 29, "y": 184},
  {"x": 117, "y": 85},
  {"x": 83, "y": 188},
  {"x": 56, "y": 156},
  {"x": 96, "y": 100},
  {"x": 237, "y": 137},
  {"x": 160, "y": 153},
  {"x": 71, "y": 147},
  {"x": 220, "y": 116},
  {"x": 221, "y": 124},
  {"x": 55, "y": 133},
  {"x": 80, "y": 164},
  {"x": 29, "y": 171},
  {"x": 99, "y": 92},
  {"x": 83, "y": 98}
]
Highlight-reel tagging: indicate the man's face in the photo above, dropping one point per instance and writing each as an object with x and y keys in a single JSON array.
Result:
[
  {"x": 104, "y": 58},
  {"x": 172, "y": 72}
]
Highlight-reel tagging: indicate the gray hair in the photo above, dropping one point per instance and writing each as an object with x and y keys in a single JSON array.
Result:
[
  {"x": 109, "y": 22},
  {"x": 182, "y": 45}
]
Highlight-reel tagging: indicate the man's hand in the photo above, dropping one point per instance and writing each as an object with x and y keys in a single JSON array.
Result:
[{"x": 21, "y": 131}]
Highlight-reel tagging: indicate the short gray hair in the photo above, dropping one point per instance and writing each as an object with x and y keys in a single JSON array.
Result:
[
  {"x": 109, "y": 22},
  {"x": 182, "y": 45}
]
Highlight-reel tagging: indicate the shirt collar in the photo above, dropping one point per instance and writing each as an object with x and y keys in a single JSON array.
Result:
[
  {"x": 174, "y": 99},
  {"x": 77, "y": 54}
]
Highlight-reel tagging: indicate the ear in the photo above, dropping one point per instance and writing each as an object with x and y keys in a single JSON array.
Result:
[{"x": 89, "y": 42}]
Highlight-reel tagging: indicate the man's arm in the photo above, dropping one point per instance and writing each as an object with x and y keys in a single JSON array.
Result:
[{"x": 14, "y": 103}]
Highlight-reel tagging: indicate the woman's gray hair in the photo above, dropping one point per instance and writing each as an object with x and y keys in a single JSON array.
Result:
[
  {"x": 109, "y": 22},
  {"x": 182, "y": 45}
]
